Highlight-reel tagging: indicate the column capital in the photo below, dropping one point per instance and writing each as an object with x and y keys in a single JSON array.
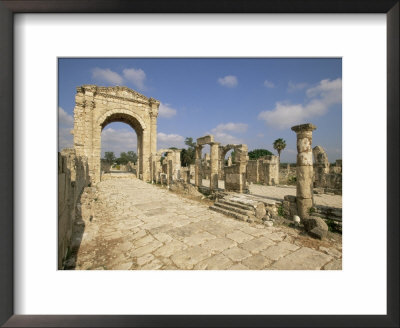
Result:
[{"x": 303, "y": 127}]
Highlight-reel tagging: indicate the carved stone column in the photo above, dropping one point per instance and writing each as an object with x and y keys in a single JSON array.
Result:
[
  {"x": 197, "y": 168},
  {"x": 214, "y": 161},
  {"x": 304, "y": 168}
]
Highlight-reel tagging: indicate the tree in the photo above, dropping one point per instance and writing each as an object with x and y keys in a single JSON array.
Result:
[
  {"x": 109, "y": 157},
  {"x": 279, "y": 145},
  {"x": 257, "y": 153},
  {"x": 124, "y": 158},
  {"x": 188, "y": 155}
]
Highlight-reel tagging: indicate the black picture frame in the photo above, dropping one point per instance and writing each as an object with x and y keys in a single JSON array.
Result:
[{"x": 7, "y": 10}]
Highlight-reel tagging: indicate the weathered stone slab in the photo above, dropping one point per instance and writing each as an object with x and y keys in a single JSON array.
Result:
[
  {"x": 257, "y": 262},
  {"x": 303, "y": 259},
  {"x": 334, "y": 265},
  {"x": 217, "y": 262},
  {"x": 236, "y": 254},
  {"x": 257, "y": 245},
  {"x": 170, "y": 248},
  {"x": 278, "y": 251},
  {"x": 198, "y": 238},
  {"x": 149, "y": 248},
  {"x": 238, "y": 266},
  {"x": 239, "y": 236},
  {"x": 205, "y": 140},
  {"x": 219, "y": 244},
  {"x": 188, "y": 258}
]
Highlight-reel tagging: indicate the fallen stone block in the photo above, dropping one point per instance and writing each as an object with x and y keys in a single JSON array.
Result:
[{"x": 315, "y": 226}]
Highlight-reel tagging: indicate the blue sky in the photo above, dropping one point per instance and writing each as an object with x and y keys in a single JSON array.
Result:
[{"x": 252, "y": 101}]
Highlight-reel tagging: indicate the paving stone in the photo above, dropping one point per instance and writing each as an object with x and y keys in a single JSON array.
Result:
[
  {"x": 154, "y": 265},
  {"x": 198, "y": 238},
  {"x": 144, "y": 259},
  {"x": 239, "y": 236},
  {"x": 257, "y": 262},
  {"x": 334, "y": 265},
  {"x": 170, "y": 248},
  {"x": 123, "y": 266},
  {"x": 238, "y": 266},
  {"x": 188, "y": 258},
  {"x": 331, "y": 251},
  {"x": 217, "y": 262},
  {"x": 149, "y": 248},
  {"x": 143, "y": 241},
  {"x": 236, "y": 254},
  {"x": 257, "y": 245},
  {"x": 303, "y": 259},
  {"x": 163, "y": 237},
  {"x": 279, "y": 250},
  {"x": 219, "y": 244}
]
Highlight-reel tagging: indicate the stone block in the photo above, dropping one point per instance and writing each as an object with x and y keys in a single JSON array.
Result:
[
  {"x": 205, "y": 140},
  {"x": 315, "y": 226}
]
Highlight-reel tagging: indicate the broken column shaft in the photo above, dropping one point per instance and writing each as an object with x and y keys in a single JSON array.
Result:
[
  {"x": 214, "y": 156},
  {"x": 304, "y": 168}
]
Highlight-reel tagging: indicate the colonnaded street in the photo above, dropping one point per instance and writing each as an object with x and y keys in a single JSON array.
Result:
[{"x": 128, "y": 224}]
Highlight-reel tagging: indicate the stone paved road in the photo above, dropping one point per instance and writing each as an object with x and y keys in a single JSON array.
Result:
[{"x": 130, "y": 224}]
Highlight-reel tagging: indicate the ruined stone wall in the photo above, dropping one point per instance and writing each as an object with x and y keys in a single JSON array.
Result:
[
  {"x": 252, "y": 171},
  {"x": 105, "y": 167},
  {"x": 264, "y": 170},
  {"x": 270, "y": 170},
  {"x": 73, "y": 177},
  {"x": 287, "y": 174}
]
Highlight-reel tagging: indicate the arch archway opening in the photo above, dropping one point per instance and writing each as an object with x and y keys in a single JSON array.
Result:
[{"x": 122, "y": 136}]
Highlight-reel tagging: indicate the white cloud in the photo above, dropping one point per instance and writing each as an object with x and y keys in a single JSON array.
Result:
[
  {"x": 269, "y": 84},
  {"x": 226, "y": 138},
  {"x": 293, "y": 87},
  {"x": 118, "y": 141},
  {"x": 169, "y": 140},
  {"x": 321, "y": 97},
  {"x": 64, "y": 119},
  {"x": 107, "y": 75},
  {"x": 234, "y": 127},
  {"x": 135, "y": 76},
  {"x": 229, "y": 81},
  {"x": 220, "y": 132},
  {"x": 66, "y": 124},
  {"x": 260, "y": 135},
  {"x": 166, "y": 111},
  {"x": 65, "y": 138}
]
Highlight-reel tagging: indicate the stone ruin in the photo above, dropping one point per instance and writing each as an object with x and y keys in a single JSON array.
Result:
[
  {"x": 168, "y": 169},
  {"x": 73, "y": 177},
  {"x": 95, "y": 107},
  {"x": 326, "y": 177},
  {"x": 234, "y": 176},
  {"x": 264, "y": 170}
]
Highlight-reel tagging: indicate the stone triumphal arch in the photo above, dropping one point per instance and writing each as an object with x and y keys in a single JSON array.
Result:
[{"x": 96, "y": 107}]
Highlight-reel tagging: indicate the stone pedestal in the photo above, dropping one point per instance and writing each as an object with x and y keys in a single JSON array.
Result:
[{"x": 304, "y": 168}]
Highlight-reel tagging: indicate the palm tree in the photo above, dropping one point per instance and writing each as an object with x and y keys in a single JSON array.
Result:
[{"x": 279, "y": 145}]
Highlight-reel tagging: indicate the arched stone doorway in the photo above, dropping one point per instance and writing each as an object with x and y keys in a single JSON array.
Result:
[{"x": 96, "y": 107}]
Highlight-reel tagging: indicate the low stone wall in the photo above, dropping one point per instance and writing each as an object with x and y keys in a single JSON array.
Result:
[
  {"x": 73, "y": 177},
  {"x": 333, "y": 214}
]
